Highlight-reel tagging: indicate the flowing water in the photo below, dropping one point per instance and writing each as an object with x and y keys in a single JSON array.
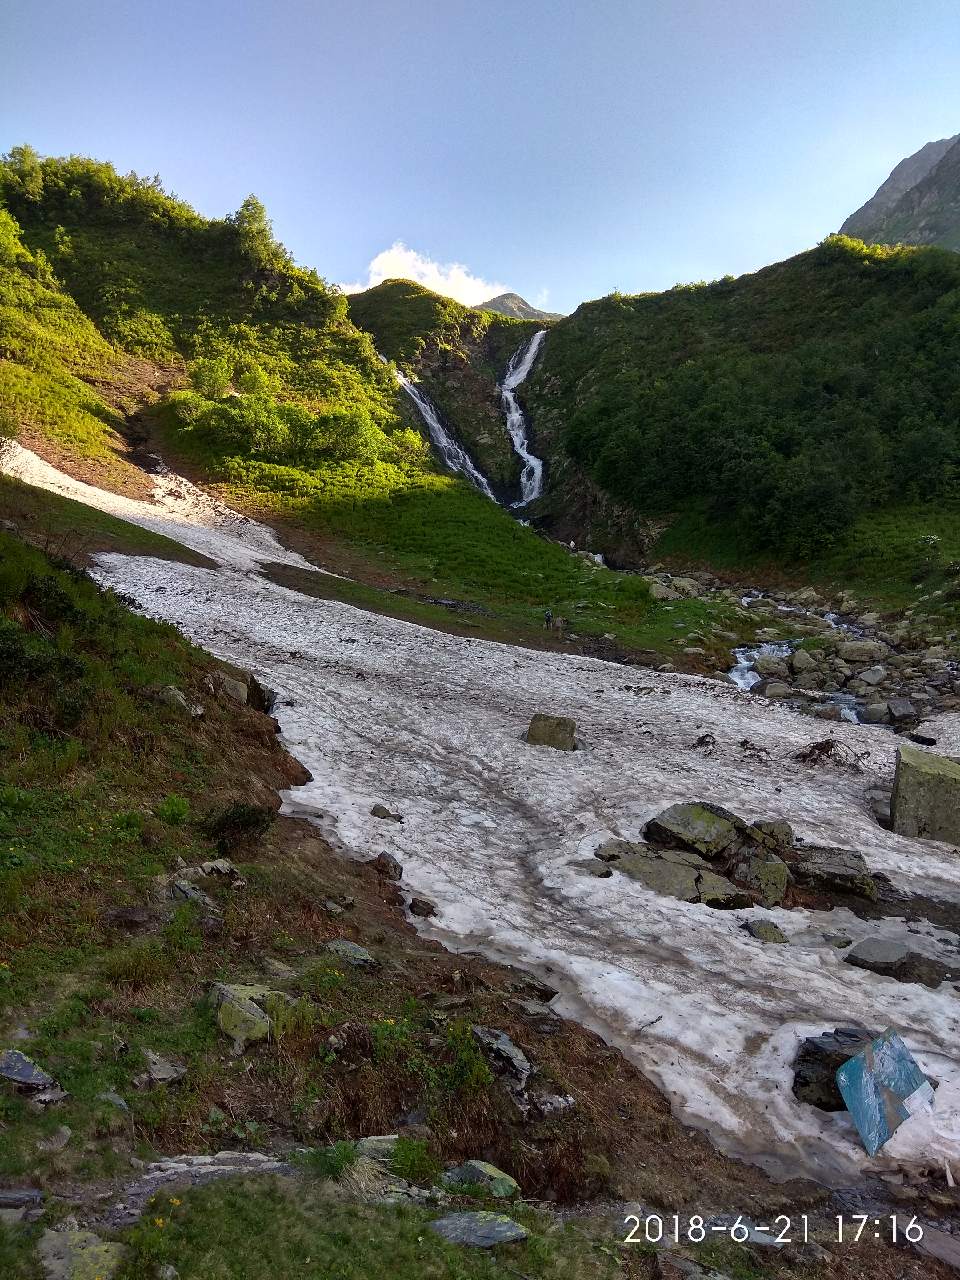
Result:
[
  {"x": 531, "y": 476},
  {"x": 452, "y": 452}
]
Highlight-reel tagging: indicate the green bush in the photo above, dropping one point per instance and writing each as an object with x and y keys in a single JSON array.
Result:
[
  {"x": 173, "y": 809},
  {"x": 411, "y": 1160},
  {"x": 329, "y": 1162}
]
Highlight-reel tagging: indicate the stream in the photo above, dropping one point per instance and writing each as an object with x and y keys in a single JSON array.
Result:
[{"x": 531, "y": 477}]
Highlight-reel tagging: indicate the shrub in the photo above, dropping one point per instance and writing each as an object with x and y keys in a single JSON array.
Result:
[
  {"x": 238, "y": 823},
  {"x": 173, "y": 809},
  {"x": 329, "y": 1162},
  {"x": 412, "y": 1161}
]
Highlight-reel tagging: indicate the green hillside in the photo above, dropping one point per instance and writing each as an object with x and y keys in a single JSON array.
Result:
[
  {"x": 458, "y": 354},
  {"x": 772, "y": 413}
]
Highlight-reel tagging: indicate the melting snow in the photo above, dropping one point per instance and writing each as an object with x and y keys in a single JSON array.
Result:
[{"x": 431, "y": 725}]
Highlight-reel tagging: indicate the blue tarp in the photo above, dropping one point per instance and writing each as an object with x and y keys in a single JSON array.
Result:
[{"x": 883, "y": 1086}]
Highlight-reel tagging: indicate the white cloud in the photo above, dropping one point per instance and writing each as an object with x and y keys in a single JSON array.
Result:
[{"x": 452, "y": 279}]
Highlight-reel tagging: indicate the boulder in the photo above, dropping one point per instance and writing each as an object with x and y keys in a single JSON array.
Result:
[
  {"x": 661, "y": 590},
  {"x": 774, "y": 689},
  {"x": 901, "y": 709},
  {"x": 682, "y": 874},
  {"x": 835, "y": 871},
  {"x": 380, "y": 1148},
  {"x": 478, "y": 1173},
  {"x": 78, "y": 1255},
  {"x": 159, "y": 1071},
  {"x": 801, "y": 661},
  {"x": 480, "y": 1229},
  {"x": 422, "y": 907},
  {"x": 558, "y": 732},
  {"x": 875, "y": 713},
  {"x": 863, "y": 651},
  {"x": 776, "y": 833},
  {"x": 765, "y": 931},
  {"x": 506, "y": 1057},
  {"x": 232, "y": 688},
  {"x": 702, "y": 828},
  {"x": 816, "y": 1063},
  {"x": 22, "y": 1072},
  {"x": 926, "y": 795},
  {"x": 765, "y": 873},
  {"x": 873, "y": 675},
  {"x": 381, "y": 811},
  {"x": 352, "y": 953},
  {"x": 894, "y": 959},
  {"x": 387, "y": 866},
  {"x": 767, "y": 665},
  {"x": 170, "y": 696},
  {"x": 241, "y": 1012}
]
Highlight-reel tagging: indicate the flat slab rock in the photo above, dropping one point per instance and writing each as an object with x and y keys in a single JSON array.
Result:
[
  {"x": 816, "y": 1063},
  {"x": 22, "y": 1071},
  {"x": 892, "y": 958},
  {"x": 482, "y": 1230},
  {"x": 78, "y": 1255},
  {"x": 673, "y": 873},
  {"x": 559, "y": 732},
  {"x": 835, "y": 871},
  {"x": 478, "y": 1173}
]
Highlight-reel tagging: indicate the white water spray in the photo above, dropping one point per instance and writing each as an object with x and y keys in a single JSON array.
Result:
[
  {"x": 454, "y": 454},
  {"x": 531, "y": 477}
]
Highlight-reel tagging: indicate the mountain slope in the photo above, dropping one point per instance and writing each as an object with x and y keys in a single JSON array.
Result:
[
  {"x": 511, "y": 304},
  {"x": 780, "y": 406},
  {"x": 918, "y": 204},
  {"x": 458, "y": 354}
]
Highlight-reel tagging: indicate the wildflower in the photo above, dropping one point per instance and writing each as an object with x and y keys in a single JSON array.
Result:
[
  {"x": 174, "y": 1201},
  {"x": 160, "y": 1222}
]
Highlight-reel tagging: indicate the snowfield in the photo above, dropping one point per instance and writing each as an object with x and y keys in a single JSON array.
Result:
[{"x": 431, "y": 725}]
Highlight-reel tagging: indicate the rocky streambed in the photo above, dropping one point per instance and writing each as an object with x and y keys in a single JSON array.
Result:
[{"x": 832, "y": 659}]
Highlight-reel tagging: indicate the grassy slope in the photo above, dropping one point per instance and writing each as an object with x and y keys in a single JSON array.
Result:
[
  {"x": 309, "y": 429},
  {"x": 788, "y": 418},
  {"x": 458, "y": 354}
]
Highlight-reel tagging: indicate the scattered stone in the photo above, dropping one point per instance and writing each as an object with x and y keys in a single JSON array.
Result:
[
  {"x": 57, "y": 1140},
  {"x": 923, "y": 739},
  {"x": 279, "y": 970},
  {"x": 539, "y": 1015},
  {"x": 159, "y": 1071},
  {"x": 241, "y": 1013},
  {"x": 873, "y": 675},
  {"x": 902, "y": 709},
  {"x": 867, "y": 651},
  {"x": 478, "y": 1173},
  {"x": 875, "y": 713},
  {"x": 835, "y": 871},
  {"x": 113, "y": 1099},
  {"x": 233, "y": 688},
  {"x": 386, "y": 865},
  {"x": 765, "y": 931},
  {"x": 380, "y": 1148},
  {"x": 78, "y": 1255},
  {"x": 801, "y": 661},
  {"x": 20, "y": 1197},
  {"x": 422, "y": 907},
  {"x": 776, "y": 832},
  {"x": 590, "y": 867},
  {"x": 259, "y": 697},
  {"x": 480, "y": 1229},
  {"x": 170, "y": 696},
  {"x": 816, "y": 1063},
  {"x": 130, "y": 919},
  {"x": 774, "y": 689},
  {"x": 23, "y": 1073},
  {"x": 505, "y": 1055},
  {"x": 166, "y": 1271},
  {"x": 558, "y": 732},
  {"x": 352, "y": 953},
  {"x": 381, "y": 811},
  {"x": 183, "y": 890},
  {"x": 926, "y": 795},
  {"x": 893, "y": 959}
]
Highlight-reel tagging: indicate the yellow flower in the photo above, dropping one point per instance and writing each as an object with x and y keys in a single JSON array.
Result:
[
  {"x": 175, "y": 1201},
  {"x": 159, "y": 1222}
]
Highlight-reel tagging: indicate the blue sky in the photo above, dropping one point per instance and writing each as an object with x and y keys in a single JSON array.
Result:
[{"x": 560, "y": 149}]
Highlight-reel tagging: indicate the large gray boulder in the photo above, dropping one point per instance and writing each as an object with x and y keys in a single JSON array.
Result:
[
  {"x": 558, "y": 732},
  {"x": 765, "y": 873},
  {"x": 702, "y": 828},
  {"x": 926, "y": 795},
  {"x": 835, "y": 871},
  {"x": 863, "y": 651},
  {"x": 894, "y": 959}
]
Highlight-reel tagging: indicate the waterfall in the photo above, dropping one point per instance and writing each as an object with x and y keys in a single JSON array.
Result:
[
  {"x": 453, "y": 454},
  {"x": 531, "y": 477}
]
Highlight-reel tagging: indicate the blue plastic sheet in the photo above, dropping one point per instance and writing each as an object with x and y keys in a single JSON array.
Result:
[{"x": 883, "y": 1086}]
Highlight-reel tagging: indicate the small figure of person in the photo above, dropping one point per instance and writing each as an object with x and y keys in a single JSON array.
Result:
[{"x": 548, "y": 618}]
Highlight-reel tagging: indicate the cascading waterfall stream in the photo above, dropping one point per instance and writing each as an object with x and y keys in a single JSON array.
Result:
[
  {"x": 531, "y": 477},
  {"x": 454, "y": 454}
]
